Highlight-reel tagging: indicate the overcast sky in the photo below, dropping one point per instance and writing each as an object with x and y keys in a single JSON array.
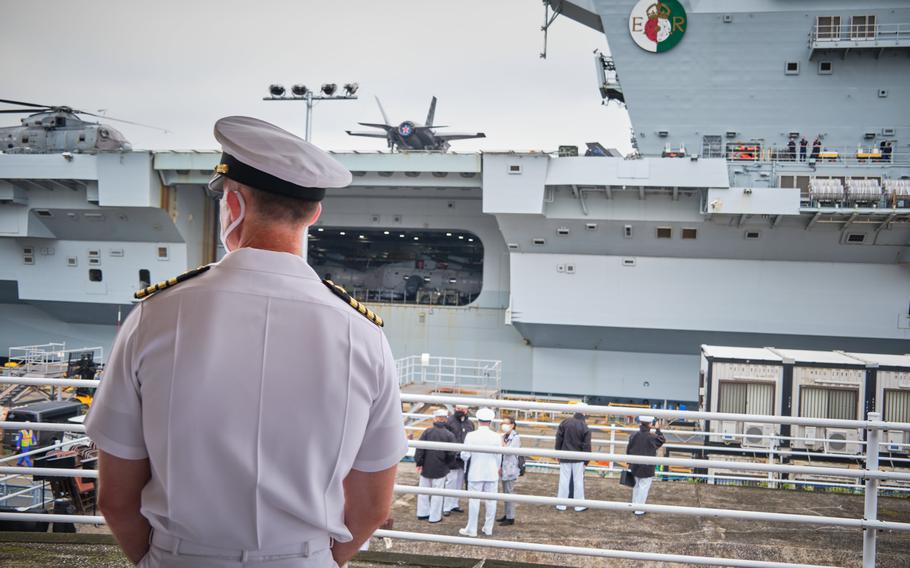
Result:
[{"x": 182, "y": 64}]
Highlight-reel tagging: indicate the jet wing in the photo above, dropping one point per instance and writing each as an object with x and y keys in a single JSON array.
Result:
[
  {"x": 460, "y": 135},
  {"x": 368, "y": 134},
  {"x": 376, "y": 125}
]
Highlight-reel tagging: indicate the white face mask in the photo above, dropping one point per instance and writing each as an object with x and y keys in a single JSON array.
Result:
[
  {"x": 506, "y": 428},
  {"x": 227, "y": 226}
]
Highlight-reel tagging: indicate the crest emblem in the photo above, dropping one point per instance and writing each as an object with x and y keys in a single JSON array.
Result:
[{"x": 657, "y": 26}]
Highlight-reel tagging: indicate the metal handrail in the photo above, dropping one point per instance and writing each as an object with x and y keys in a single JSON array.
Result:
[
  {"x": 486, "y": 543},
  {"x": 871, "y": 474},
  {"x": 852, "y": 155},
  {"x": 822, "y": 33},
  {"x": 691, "y": 415}
]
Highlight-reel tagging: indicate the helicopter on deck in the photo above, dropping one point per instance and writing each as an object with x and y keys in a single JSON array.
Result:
[{"x": 55, "y": 129}]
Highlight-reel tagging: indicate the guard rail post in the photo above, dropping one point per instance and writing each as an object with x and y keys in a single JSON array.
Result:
[
  {"x": 612, "y": 443},
  {"x": 870, "y": 512}
]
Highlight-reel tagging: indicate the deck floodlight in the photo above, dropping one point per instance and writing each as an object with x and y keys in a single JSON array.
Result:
[
  {"x": 329, "y": 89},
  {"x": 299, "y": 90},
  {"x": 350, "y": 88},
  {"x": 276, "y": 90}
]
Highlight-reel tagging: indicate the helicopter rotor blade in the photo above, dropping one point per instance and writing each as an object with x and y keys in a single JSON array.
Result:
[
  {"x": 103, "y": 117},
  {"x": 20, "y": 111},
  {"x": 7, "y": 101}
]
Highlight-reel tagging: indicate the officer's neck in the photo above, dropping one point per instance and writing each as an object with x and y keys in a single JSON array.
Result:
[{"x": 273, "y": 237}]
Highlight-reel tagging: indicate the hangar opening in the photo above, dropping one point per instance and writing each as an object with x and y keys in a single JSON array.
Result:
[{"x": 402, "y": 266}]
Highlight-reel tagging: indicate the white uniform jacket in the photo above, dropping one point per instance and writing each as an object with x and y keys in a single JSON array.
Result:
[
  {"x": 483, "y": 466},
  {"x": 253, "y": 391}
]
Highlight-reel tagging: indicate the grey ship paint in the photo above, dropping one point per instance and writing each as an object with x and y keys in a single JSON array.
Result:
[{"x": 601, "y": 276}]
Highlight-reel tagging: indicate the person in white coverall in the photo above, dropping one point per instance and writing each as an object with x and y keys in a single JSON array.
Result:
[{"x": 483, "y": 472}]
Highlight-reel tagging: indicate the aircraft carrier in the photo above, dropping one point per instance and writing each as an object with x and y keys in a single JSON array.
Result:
[{"x": 592, "y": 276}]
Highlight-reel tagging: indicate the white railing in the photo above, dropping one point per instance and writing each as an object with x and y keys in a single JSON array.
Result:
[
  {"x": 873, "y": 155},
  {"x": 451, "y": 373},
  {"x": 858, "y": 33},
  {"x": 47, "y": 359},
  {"x": 871, "y": 475}
]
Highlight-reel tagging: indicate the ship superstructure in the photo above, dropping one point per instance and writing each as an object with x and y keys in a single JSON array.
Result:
[{"x": 587, "y": 276}]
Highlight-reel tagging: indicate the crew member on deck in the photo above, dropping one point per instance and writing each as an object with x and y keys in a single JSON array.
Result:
[
  {"x": 573, "y": 435},
  {"x": 483, "y": 472},
  {"x": 25, "y": 440},
  {"x": 460, "y": 425},
  {"x": 803, "y": 143},
  {"x": 433, "y": 467},
  {"x": 816, "y": 147},
  {"x": 644, "y": 443},
  {"x": 512, "y": 467},
  {"x": 249, "y": 412}
]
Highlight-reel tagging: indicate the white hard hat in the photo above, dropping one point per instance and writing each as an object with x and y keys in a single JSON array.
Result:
[
  {"x": 646, "y": 419},
  {"x": 485, "y": 415},
  {"x": 440, "y": 412}
]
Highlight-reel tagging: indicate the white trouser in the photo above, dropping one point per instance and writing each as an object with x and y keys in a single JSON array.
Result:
[
  {"x": 182, "y": 556},
  {"x": 640, "y": 491},
  {"x": 474, "y": 507},
  {"x": 431, "y": 506},
  {"x": 575, "y": 472},
  {"x": 454, "y": 480}
]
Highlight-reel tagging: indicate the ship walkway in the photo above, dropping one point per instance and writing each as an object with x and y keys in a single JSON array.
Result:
[
  {"x": 853, "y": 524},
  {"x": 831, "y": 35}
]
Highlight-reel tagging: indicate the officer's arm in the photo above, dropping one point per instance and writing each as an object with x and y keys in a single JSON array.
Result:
[
  {"x": 119, "y": 498},
  {"x": 367, "y": 502}
]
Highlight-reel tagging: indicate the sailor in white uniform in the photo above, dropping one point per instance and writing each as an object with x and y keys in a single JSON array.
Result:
[
  {"x": 249, "y": 414},
  {"x": 483, "y": 472}
]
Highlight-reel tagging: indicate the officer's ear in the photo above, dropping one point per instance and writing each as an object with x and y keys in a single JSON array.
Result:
[
  {"x": 316, "y": 214},
  {"x": 233, "y": 202}
]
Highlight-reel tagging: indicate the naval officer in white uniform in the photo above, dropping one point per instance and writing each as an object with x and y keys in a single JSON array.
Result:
[
  {"x": 483, "y": 472},
  {"x": 249, "y": 414}
]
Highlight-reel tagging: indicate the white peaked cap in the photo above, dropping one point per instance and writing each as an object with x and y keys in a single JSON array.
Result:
[
  {"x": 485, "y": 415},
  {"x": 268, "y": 158}
]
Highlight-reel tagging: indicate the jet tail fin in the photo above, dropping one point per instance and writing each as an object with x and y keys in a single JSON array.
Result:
[
  {"x": 382, "y": 111},
  {"x": 432, "y": 114}
]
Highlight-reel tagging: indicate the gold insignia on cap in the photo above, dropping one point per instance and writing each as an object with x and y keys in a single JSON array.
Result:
[
  {"x": 366, "y": 312},
  {"x": 221, "y": 169},
  {"x": 146, "y": 292}
]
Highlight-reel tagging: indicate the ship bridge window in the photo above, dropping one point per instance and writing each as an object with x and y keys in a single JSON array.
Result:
[
  {"x": 792, "y": 68},
  {"x": 825, "y": 67},
  {"x": 402, "y": 266},
  {"x": 664, "y": 232}
]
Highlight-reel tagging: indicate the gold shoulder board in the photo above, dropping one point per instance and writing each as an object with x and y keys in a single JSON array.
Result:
[
  {"x": 364, "y": 311},
  {"x": 170, "y": 283}
]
